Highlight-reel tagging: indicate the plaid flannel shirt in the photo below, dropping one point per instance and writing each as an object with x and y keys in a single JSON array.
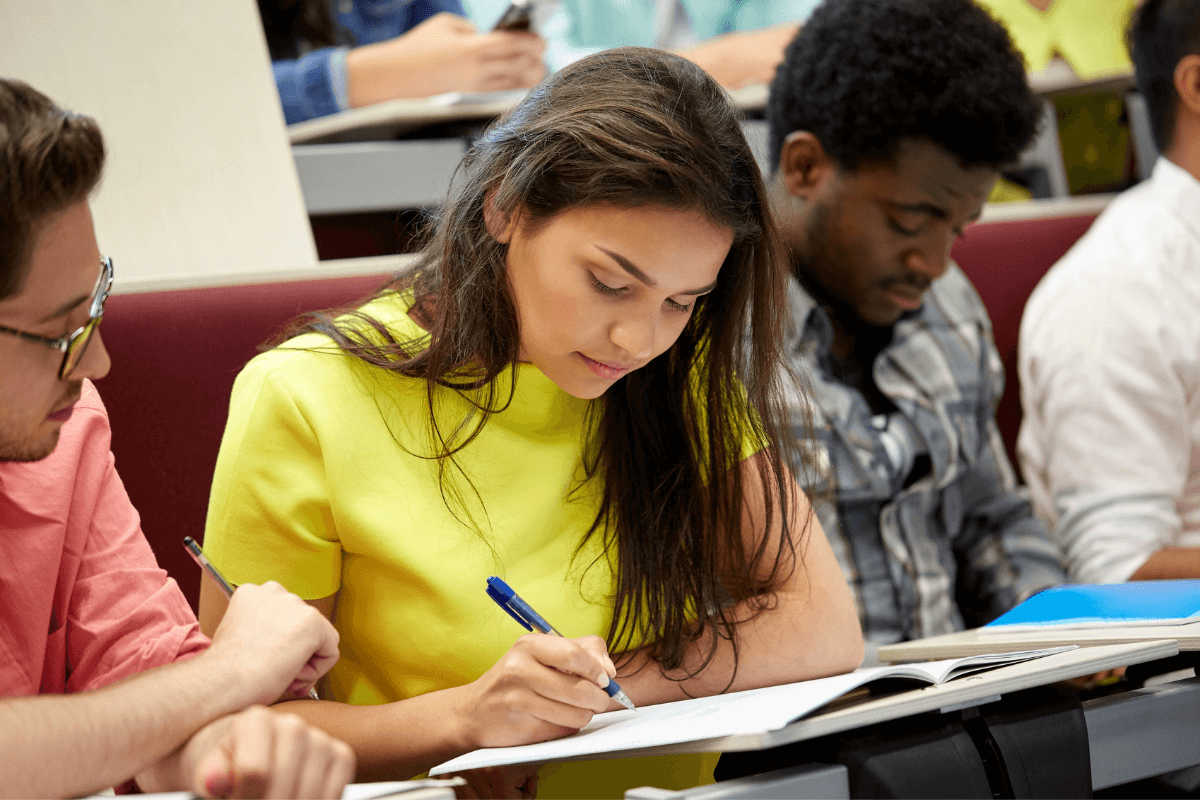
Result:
[{"x": 961, "y": 544}]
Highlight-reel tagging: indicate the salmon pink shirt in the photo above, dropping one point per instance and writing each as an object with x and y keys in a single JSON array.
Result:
[{"x": 83, "y": 603}]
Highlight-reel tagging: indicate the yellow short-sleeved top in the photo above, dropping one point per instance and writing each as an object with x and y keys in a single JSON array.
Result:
[{"x": 320, "y": 485}]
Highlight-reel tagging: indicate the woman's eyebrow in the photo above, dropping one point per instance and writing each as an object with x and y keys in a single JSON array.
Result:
[
  {"x": 632, "y": 269},
  {"x": 628, "y": 266}
]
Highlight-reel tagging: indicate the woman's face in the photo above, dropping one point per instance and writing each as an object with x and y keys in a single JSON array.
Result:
[{"x": 600, "y": 291}]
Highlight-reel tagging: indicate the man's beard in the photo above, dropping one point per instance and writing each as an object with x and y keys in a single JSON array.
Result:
[
  {"x": 21, "y": 447},
  {"x": 13, "y": 449}
]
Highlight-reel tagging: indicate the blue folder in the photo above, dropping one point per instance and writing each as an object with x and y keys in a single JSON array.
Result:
[{"x": 1094, "y": 605}]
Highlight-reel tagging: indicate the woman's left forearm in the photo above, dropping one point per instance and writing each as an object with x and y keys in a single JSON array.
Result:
[
  {"x": 773, "y": 648},
  {"x": 808, "y": 628}
]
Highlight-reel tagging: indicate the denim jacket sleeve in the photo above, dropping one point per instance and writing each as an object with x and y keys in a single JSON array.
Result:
[{"x": 314, "y": 85}]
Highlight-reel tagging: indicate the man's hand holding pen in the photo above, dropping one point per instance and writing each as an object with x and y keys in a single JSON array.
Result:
[{"x": 281, "y": 644}]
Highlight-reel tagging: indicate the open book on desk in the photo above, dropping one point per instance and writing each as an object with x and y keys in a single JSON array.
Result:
[{"x": 708, "y": 718}]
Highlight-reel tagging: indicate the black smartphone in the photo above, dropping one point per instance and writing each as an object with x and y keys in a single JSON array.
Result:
[{"x": 516, "y": 17}]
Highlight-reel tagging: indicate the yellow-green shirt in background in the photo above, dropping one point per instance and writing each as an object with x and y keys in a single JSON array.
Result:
[
  {"x": 1089, "y": 34},
  {"x": 320, "y": 485}
]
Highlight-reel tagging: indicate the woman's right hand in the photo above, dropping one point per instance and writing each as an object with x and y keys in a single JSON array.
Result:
[
  {"x": 544, "y": 687},
  {"x": 443, "y": 54}
]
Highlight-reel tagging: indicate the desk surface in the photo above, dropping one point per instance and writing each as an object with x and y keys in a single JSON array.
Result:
[
  {"x": 395, "y": 117},
  {"x": 966, "y": 643}
]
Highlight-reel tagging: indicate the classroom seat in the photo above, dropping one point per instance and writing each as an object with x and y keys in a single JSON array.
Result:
[
  {"x": 175, "y": 355},
  {"x": 1005, "y": 260}
]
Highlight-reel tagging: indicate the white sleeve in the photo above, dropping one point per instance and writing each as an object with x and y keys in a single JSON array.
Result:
[{"x": 1105, "y": 380}]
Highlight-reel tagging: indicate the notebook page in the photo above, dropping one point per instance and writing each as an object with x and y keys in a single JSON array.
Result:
[{"x": 751, "y": 711}]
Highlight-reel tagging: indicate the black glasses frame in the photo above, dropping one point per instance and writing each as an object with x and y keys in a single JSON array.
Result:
[{"x": 75, "y": 345}]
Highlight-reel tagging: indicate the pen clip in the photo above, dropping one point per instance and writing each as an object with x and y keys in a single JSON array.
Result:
[{"x": 502, "y": 599}]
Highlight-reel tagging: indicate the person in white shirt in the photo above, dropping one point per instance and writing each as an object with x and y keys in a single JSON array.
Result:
[{"x": 1110, "y": 346}]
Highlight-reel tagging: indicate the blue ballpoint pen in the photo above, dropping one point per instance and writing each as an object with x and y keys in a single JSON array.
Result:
[
  {"x": 226, "y": 587},
  {"x": 523, "y": 613}
]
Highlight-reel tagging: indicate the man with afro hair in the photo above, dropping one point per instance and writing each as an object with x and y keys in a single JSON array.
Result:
[{"x": 890, "y": 121}]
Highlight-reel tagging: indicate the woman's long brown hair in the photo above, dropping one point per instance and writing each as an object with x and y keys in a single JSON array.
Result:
[{"x": 625, "y": 128}]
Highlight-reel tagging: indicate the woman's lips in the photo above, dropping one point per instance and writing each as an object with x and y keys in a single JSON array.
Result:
[{"x": 604, "y": 370}]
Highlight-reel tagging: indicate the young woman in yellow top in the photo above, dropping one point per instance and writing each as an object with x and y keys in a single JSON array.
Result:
[{"x": 576, "y": 388}]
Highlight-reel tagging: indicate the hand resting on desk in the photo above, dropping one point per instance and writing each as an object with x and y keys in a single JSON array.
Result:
[
  {"x": 257, "y": 753},
  {"x": 744, "y": 58},
  {"x": 443, "y": 54}
]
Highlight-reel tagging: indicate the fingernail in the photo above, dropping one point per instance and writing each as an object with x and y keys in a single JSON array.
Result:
[
  {"x": 218, "y": 785},
  {"x": 604, "y": 681}
]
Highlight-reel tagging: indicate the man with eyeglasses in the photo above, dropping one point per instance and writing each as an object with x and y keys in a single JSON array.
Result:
[{"x": 104, "y": 674}]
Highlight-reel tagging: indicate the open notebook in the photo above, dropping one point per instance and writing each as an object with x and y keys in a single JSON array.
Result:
[{"x": 703, "y": 718}]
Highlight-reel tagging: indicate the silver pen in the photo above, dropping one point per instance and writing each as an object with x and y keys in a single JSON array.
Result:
[{"x": 225, "y": 586}]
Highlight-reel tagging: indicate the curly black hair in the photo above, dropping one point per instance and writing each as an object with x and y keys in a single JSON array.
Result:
[
  {"x": 864, "y": 75},
  {"x": 1162, "y": 32}
]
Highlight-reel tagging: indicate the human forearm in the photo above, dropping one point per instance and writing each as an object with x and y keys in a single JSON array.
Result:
[
  {"x": 1170, "y": 563},
  {"x": 312, "y": 86},
  {"x": 1108, "y": 533},
  {"x": 807, "y": 628},
  {"x": 394, "y": 741},
  {"x": 743, "y": 58},
  {"x": 58, "y": 745},
  {"x": 779, "y": 645}
]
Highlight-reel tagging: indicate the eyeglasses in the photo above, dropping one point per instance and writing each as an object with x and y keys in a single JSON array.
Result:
[{"x": 75, "y": 345}]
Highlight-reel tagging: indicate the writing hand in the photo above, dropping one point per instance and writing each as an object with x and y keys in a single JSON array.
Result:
[{"x": 544, "y": 687}]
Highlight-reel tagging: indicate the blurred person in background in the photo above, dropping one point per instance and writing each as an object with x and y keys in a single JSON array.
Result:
[
  {"x": 1110, "y": 346},
  {"x": 738, "y": 43},
  {"x": 332, "y": 55}
]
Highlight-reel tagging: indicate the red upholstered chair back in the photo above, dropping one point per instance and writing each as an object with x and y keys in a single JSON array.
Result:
[
  {"x": 175, "y": 355},
  {"x": 1005, "y": 261}
]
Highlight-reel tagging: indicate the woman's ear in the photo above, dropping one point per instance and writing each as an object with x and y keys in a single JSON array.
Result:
[
  {"x": 500, "y": 226},
  {"x": 804, "y": 166}
]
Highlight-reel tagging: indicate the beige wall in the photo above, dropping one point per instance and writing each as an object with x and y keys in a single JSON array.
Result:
[{"x": 200, "y": 185}]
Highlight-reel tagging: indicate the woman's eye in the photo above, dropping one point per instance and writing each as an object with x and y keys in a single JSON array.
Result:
[
  {"x": 611, "y": 291},
  {"x": 680, "y": 306}
]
